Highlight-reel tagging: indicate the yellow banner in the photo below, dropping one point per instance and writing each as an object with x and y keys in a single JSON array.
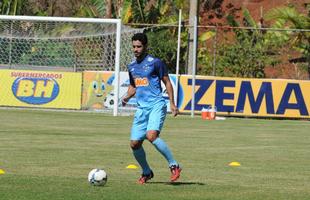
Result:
[
  {"x": 247, "y": 97},
  {"x": 42, "y": 89},
  {"x": 97, "y": 89}
]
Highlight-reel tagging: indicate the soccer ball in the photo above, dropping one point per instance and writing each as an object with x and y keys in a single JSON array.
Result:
[{"x": 97, "y": 177}]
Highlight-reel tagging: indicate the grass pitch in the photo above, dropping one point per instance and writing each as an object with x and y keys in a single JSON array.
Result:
[{"x": 47, "y": 155}]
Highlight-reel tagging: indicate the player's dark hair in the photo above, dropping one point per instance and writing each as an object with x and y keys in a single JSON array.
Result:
[{"x": 141, "y": 37}]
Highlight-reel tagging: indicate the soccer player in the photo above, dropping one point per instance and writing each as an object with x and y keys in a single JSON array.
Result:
[{"x": 146, "y": 73}]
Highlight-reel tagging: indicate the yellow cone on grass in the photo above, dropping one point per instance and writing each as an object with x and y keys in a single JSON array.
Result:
[
  {"x": 234, "y": 164},
  {"x": 132, "y": 167},
  {"x": 2, "y": 171}
]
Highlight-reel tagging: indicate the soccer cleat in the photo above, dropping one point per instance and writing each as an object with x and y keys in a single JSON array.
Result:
[
  {"x": 145, "y": 177},
  {"x": 175, "y": 172}
]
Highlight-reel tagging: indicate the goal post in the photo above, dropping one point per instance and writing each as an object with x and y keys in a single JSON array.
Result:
[{"x": 62, "y": 43}]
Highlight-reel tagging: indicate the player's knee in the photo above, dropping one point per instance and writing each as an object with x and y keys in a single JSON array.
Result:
[
  {"x": 135, "y": 144},
  {"x": 152, "y": 135}
]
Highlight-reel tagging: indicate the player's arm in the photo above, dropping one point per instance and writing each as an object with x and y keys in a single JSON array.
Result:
[
  {"x": 169, "y": 88},
  {"x": 130, "y": 92}
]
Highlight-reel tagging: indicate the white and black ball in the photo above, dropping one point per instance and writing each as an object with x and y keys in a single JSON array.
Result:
[{"x": 97, "y": 177}]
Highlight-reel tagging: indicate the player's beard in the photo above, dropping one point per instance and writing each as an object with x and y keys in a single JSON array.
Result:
[
  {"x": 140, "y": 56},
  {"x": 137, "y": 54}
]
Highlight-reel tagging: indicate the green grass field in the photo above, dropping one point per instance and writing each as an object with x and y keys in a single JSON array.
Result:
[{"x": 47, "y": 155}]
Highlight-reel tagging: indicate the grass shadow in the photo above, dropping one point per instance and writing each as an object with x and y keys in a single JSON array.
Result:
[{"x": 176, "y": 183}]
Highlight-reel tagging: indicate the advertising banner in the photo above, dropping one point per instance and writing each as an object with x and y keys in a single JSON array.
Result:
[
  {"x": 98, "y": 90},
  {"x": 230, "y": 96},
  {"x": 97, "y": 86},
  {"x": 247, "y": 97},
  {"x": 42, "y": 89}
]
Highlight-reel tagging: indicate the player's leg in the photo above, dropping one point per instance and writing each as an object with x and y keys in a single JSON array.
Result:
[
  {"x": 161, "y": 146},
  {"x": 140, "y": 156},
  {"x": 156, "y": 120},
  {"x": 138, "y": 134}
]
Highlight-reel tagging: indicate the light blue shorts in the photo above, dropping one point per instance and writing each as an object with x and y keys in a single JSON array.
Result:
[{"x": 147, "y": 119}]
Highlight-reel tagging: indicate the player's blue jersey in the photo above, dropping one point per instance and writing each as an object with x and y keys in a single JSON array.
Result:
[{"x": 146, "y": 78}]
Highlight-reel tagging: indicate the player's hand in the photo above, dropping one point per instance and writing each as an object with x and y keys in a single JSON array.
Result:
[
  {"x": 174, "y": 110},
  {"x": 124, "y": 102}
]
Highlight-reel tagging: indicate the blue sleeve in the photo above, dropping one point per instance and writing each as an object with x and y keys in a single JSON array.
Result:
[
  {"x": 132, "y": 82},
  {"x": 161, "y": 68}
]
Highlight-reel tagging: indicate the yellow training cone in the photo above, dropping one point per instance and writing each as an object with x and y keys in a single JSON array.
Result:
[
  {"x": 234, "y": 164},
  {"x": 2, "y": 171},
  {"x": 132, "y": 167}
]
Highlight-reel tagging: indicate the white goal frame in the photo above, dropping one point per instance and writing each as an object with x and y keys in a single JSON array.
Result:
[{"x": 118, "y": 24}]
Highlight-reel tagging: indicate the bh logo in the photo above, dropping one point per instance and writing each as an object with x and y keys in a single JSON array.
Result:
[{"x": 35, "y": 90}]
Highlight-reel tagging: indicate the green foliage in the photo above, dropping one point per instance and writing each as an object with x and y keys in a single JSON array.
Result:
[
  {"x": 241, "y": 60},
  {"x": 294, "y": 19},
  {"x": 204, "y": 60},
  {"x": 126, "y": 12},
  {"x": 162, "y": 44},
  {"x": 141, "y": 11},
  {"x": 204, "y": 54},
  {"x": 247, "y": 55},
  {"x": 289, "y": 17},
  {"x": 11, "y": 7},
  {"x": 92, "y": 8},
  {"x": 99, "y": 5}
]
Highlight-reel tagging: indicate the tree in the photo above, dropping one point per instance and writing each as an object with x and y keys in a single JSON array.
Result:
[
  {"x": 289, "y": 17},
  {"x": 247, "y": 55},
  {"x": 60, "y": 8},
  {"x": 151, "y": 11},
  {"x": 101, "y": 8}
]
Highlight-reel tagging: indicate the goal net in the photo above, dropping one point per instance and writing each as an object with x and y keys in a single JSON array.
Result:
[{"x": 65, "y": 44}]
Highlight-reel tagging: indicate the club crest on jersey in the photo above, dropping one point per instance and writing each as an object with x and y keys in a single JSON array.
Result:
[{"x": 140, "y": 82}]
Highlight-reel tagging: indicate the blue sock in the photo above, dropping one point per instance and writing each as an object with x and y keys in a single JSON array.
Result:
[
  {"x": 141, "y": 158},
  {"x": 162, "y": 147}
]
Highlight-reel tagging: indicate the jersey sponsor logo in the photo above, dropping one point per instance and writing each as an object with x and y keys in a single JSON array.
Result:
[
  {"x": 140, "y": 82},
  {"x": 35, "y": 90}
]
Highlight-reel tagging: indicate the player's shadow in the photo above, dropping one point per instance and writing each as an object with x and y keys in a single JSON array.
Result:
[{"x": 176, "y": 183}]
